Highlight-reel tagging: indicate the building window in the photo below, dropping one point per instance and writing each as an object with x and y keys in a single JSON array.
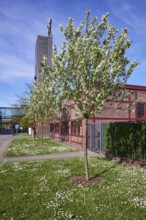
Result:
[
  {"x": 64, "y": 128},
  {"x": 76, "y": 127},
  {"x": 140, "y": 110},
  {"x": 52, "y": 127}
]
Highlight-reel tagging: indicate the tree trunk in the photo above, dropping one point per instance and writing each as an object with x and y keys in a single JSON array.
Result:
[
  {"x": 85, "y": 124},
  {"x": 42, "y": 128}
]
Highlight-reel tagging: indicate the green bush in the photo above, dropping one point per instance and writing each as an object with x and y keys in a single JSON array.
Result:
[{"x": 126, "y": 139}]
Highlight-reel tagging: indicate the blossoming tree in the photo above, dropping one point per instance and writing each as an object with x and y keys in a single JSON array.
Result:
[
  {"x": 92, "y": 67},
  {"x": 42, "y": 105}
]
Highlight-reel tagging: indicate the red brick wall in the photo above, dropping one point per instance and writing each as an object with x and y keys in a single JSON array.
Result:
[{"x": 107, "y": 115}]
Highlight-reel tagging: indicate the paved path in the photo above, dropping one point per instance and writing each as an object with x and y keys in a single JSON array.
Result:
[
  {"x": 6, "y": 139},
  {"x": 4, "y": 144}
]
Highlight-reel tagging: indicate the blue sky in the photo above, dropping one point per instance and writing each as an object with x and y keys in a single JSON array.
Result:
[{"x": 22, "y": 20}]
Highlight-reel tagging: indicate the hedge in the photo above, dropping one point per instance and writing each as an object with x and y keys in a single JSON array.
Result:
[{"x": 126, "y": 139}]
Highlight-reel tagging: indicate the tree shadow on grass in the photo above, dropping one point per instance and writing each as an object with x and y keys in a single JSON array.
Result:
[
  {"x": 105, "y": 171},
  {"x": 93, "y": 180}
]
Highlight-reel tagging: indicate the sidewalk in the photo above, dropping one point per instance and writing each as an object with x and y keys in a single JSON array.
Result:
[
  {"x": 78, "y": 154},
  {"x": 5, "y": 143}
]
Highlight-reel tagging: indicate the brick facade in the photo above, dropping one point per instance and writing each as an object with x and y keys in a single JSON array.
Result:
[{"x": 71, "y": 128}]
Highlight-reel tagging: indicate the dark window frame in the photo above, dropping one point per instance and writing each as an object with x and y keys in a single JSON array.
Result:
[
  {"x": 76, "y": 127},
  {"x": 141, "y": 110},
  {"x": 65, "y": 128}
]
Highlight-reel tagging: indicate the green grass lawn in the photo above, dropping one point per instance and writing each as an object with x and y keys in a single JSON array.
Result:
[
  {"x": 26, "y": 146},
  {"x": 22, "y": 134},
  {"x": 41, "y": 190}
]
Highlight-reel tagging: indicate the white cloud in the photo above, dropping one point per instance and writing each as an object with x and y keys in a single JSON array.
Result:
[{"x": 14, "y": 68}]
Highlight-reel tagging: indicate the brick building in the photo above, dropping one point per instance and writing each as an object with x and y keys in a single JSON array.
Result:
[{"x": 70, "y": 129}]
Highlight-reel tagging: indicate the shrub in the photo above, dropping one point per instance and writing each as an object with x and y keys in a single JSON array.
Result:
[{"x": 126, "y": 139}]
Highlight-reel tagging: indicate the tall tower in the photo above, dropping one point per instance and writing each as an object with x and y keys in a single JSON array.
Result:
[{"x": 43, "y": 47}]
